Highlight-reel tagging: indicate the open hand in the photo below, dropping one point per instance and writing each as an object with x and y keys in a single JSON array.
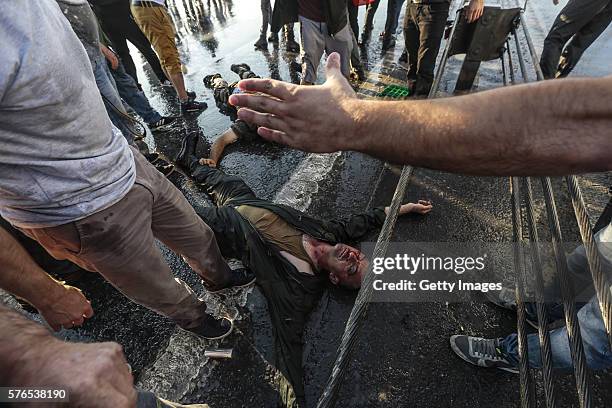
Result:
[
  {"x": 474, "y": 10},
  {"x": 316, "y": 118}
]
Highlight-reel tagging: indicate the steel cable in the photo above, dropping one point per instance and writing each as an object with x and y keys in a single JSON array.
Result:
[{"x": 602, "y": 283}]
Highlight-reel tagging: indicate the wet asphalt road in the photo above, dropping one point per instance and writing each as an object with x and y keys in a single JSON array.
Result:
[{"x": 403, "y": 358}]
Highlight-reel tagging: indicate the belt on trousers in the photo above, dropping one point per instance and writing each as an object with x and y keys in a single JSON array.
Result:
[{"x": 146, "y": 4}]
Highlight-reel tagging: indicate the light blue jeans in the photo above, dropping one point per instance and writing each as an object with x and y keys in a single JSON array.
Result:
[
  {"x": 112, "y": 101},
  {"x": 133, "y": 96},
  {"x": 594, "y": 336}
]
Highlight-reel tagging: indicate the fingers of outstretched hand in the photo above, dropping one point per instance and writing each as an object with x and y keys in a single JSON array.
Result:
[
  {"x": 272, "y": 87},
  {"x": 266, "y": 104},
  {"x": 267, "y": 120}
]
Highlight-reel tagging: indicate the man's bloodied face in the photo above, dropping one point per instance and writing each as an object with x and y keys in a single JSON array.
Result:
[{"x": 346, "y": 265}]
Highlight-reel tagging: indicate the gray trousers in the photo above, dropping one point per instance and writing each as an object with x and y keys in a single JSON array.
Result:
[
  {"x": 315, "y": 39},
  {"x": 119, "y": 243},
  {"x": 580, "y": 22}
]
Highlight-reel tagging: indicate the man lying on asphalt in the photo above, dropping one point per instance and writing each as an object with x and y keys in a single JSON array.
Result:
[{"x": 292, "y": 254}]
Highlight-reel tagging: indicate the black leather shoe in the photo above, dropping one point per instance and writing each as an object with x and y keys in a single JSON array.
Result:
[
  {"x": 291, "y": 45},
  {"x": 187, "y": 154},
  {"x": 212, "y": 328},
  {"x": 241, "y": 278},
  {"x": 262, "y": 43}
]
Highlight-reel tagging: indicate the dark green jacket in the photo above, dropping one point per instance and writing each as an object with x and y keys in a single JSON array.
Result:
[
  {"x": 286, "y": 11},
  {"x": 291, "y": 295}
]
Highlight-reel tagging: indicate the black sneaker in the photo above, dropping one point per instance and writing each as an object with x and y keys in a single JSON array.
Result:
[
  {"x": 481, "y": 352},
  {"x": 212, "y": 328},
  {"x": 273, "y": 38},
  {"x": 190, "y": 95},
  {"x": 262, "y": 43},
  {"x": 192, "y": 107},
  {"x": 243, "y": 71},
  {"x": 291, "y": 45},
  {"x": 186, "y": 155},
  {"x": 241, "y": 278},
  {"x": 388, "y": 43},
  {"x": 209, "y": 80},
  {"x": 164, "y": 123},
  {"x": 404, "y": 57}
]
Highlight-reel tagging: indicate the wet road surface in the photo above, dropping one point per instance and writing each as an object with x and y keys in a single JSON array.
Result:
[{"x": 403, "y": 357}]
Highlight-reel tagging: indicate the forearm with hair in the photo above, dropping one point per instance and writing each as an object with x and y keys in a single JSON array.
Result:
[
  {"x": 22, "y": 277},
  {"x": 20, "y": 339},
  {"x": 219, "y": 145},
  {"x": 550, "y": 128}
]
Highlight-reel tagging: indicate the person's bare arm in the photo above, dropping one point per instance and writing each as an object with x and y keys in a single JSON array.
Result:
[
  {"x": 93, "y": 375},
  {"x": 549, "y": 128},
  {"x": 219, "y": 145},
  {"x": 61, "y": 305}
]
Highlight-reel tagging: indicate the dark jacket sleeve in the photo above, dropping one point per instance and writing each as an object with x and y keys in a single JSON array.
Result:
[
  {"x": 358, "y": 226},
  {"x": 223, "y": 188}
]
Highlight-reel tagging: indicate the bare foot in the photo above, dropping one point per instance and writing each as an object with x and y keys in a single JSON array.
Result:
[{"x": 208, "y": 162}]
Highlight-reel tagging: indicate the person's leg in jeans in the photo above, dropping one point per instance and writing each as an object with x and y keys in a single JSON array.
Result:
[
  {"x": 369, "y": 21},
  {"x": 108, "y": 89},
  {"x": 133, "y": 96},
  {"x": 411, "y": 39},
  {"x": 394, "y": 10},
  {"x": 575, "y": 15},
  {"x": 312, "y": 45},
  {"x": 342, "y": 43},
  {"x": 353, "y": 14},
  {"x": 582, "y": 40},
  {"x": 266, "y": 16},
  {"x": 594, "y": 336},
  {"x": 432, "y": 22}
]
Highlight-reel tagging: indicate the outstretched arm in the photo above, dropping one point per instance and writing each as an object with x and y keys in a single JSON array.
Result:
[
  {"x": 61, "y": 305},
  {"x": 219, "y": 145},
  {"x": 358, "y": 226},
  {"x": 549, "y": 128}
]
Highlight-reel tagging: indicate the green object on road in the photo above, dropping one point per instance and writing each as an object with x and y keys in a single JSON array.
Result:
[{"x": 395, "y": 92}]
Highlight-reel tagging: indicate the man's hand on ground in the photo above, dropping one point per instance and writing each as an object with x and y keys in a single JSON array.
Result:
[
  {"x": 208, "y": 162},
  {"x": 422, "y": 207},
  {"x": 94, "y": 375},
  {"x": 315, "y": 118},
  {"x": 474, "y": 10},
  {"x": 65, "y": 307}
]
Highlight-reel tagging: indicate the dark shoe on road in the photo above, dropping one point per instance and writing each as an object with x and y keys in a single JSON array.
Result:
[
  {"x": 273, "y": 38},
  {"x": 163, "y": 124},
  {"x": 481, "y": 352},
  {"x": 404, "y": 57},
  {"x": 243, "y": 71},
  {"x": 187, "y": 154},
  {"x": 292, "y": 46},
  {"x": 241, "y": 278},
  {"x": 212, "y": 328},
  {"x": 262, "y": 43},
  {"x": 388, "y": 43},
  {"x": 192, "y": 107},
  {"x": 209, "y": 80}
]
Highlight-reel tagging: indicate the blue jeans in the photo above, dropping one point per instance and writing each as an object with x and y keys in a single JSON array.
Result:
[
  {"x": 108, "y": 90},
  {"x": 133, "y": 96},
  {"x": 594, "y": 336},
  {"x": 394, "y": 8}
]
